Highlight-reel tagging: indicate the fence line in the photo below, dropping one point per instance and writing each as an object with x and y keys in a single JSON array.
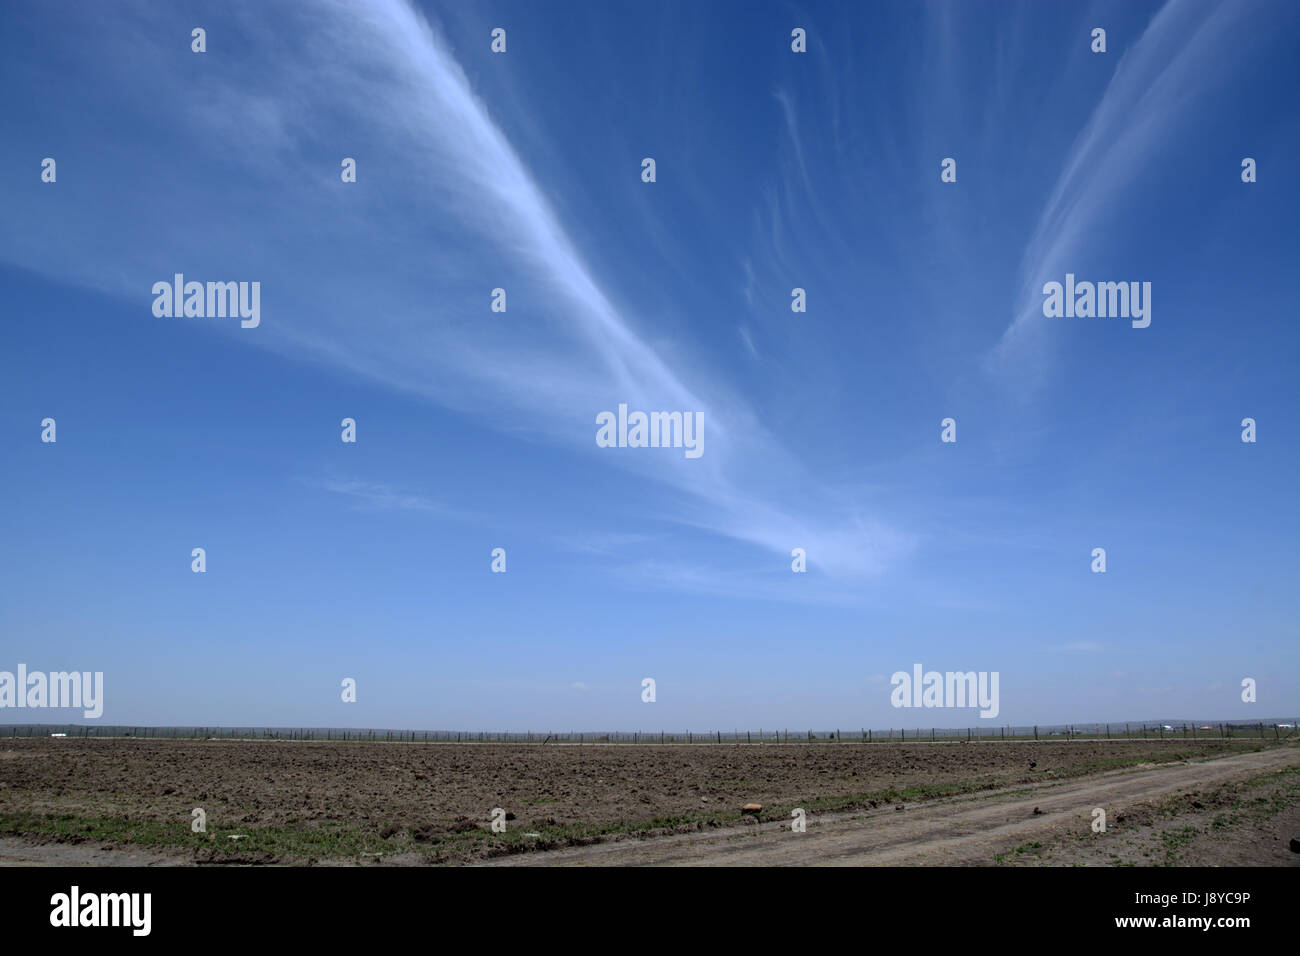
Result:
[{"x": 1270, "y": 730}]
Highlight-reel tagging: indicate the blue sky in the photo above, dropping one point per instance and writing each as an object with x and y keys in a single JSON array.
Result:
[{"x": 476, "y": 430}]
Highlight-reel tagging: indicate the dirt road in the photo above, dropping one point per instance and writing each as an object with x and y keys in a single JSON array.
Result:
[{"x": 960, "y": 831}]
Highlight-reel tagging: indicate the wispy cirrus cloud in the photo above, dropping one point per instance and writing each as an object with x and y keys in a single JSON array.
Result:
[
  {"x": 1081, "y": 646},
  {"x": 375, "y": 496},
  {"x": 1186, "y": 50},
  {"x": 389, "y": 278},
  {"x": 607, "y": 543}
]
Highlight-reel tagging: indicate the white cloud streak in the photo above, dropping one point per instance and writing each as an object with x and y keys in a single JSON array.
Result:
[
  {"x": 1185, "y": 51},
  {"x": 389, "y": 278}
]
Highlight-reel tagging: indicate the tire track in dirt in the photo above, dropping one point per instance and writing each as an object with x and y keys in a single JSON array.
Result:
[{"x": 958, "y": 831}]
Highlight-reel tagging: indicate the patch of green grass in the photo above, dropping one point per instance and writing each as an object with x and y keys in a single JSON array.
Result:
[
  {"x": 333, "y": 840},
  {"x": 257, "y": 844},
  {"x": 1175, "y": 840},
  {"x": 1225, "y": 821},
  {"x": 1032, "y": 849}
]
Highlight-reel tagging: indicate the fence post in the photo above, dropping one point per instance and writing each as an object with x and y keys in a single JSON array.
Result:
[{"x": 1035, "y": 731}]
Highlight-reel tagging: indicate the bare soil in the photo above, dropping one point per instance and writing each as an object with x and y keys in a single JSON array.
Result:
[
  {"x": 100, "y": 801},
  {"x": 1044, "y": 824}
]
